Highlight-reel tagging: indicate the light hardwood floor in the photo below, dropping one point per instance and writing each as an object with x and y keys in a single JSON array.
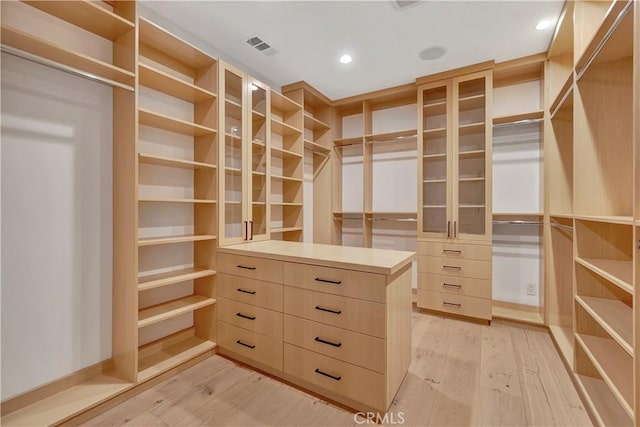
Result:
[{"x": 461, "y": 374}]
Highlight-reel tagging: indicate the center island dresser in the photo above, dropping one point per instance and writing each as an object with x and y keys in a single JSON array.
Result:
[{"x": 334, "y": 320}]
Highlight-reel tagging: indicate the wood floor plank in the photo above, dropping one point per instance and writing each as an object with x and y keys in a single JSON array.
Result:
[
  {"x": 461, "y": 374},
  {"x": 500, "y": 392}
]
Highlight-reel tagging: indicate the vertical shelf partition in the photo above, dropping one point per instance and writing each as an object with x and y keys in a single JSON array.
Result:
[{"x": 177, "y": 195}]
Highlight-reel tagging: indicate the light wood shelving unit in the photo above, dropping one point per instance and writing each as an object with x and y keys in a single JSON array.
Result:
[
  {"x": 591, "y": 192},
  {"x": 288, "y": 121},
  {"x": 176, "y": 69}
]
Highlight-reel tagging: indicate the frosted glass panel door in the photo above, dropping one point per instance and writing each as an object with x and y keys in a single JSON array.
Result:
[
  {"x": 233, "y": 161},
  {"x": 435, "y": 161},
  {"x": 258, "y": 160},
  {"x": 470, "y": 185}
]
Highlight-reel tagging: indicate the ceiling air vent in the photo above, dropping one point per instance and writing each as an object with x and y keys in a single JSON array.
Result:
[
  {"x": 260, "y": 45},
  {"x": 403, "y": 4}
]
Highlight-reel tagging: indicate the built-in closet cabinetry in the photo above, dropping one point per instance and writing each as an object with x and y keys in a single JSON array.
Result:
[
  {"x": 244, "y": 157},
  {"x": 593, "y": 240},
  {"x": 454, "y": 178}
]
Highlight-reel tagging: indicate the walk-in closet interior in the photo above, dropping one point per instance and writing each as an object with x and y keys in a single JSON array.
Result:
[{"x": 201, "y": 232}]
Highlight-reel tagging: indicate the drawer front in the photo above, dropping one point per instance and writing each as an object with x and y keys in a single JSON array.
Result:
[
  {"x": 339, "y": 377},
  {"x": 258, "y": 319},
  {"x": 355, "y": 284},
  {"x": 455, "y": 304},
  {"x": 455, "y": 285},
  {"x": 455, "y": 267},
  {"x": 250, "y": 291},
  {"x": 355, "y": 315},
  {"x": 261, "y": 348},
  {"x": 358, "y": 349},
  {"x": 251, "y": 267},
  {"x": 455, "y": 250}
]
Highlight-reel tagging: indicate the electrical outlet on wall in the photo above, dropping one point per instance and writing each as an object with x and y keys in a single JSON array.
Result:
[{"x": 531, "y": 289}]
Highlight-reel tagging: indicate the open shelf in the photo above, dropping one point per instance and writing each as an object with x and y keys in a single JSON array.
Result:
[
  {"x": 165, "y": 42},
  {"x": 285, "y": 229},
  {"x": 285, "y": 178},
  {"x": 152, "y": 159},
  {"x": 613, "y": 316},
  {"x": 163, "y": 200},
  {"x": 341, "y": 142},
  {"x": 54, "y": 52},
  {"x": 174, "y": 239},
  {"x": 177, "y": 276},
  {"x": 602, "y": 402},
  {"x": 392, "y": 136},
  {"x": 284, "y": 153},
  {"x": 314, "y": 146},
  {"x": 86, "y": 15},
  {"x": 614, "y": 366},
  {"x": 285, "y": 204},
  {"x": 519, "y": 118},
  {"x": 169, "y": 352},
  {"x": 172, "y": 124},
  {"x": 616, "y": 271},
  {"x": 75, "y": 400},
  {"x": 623, "y": 220},
  {"x": 166, "y": 83},
  {"x": 312, "y": 123},
  {"x": 283, "y": 128},
  {"x": 167, "y": 310},
  {"x": 282, "y": 103}
]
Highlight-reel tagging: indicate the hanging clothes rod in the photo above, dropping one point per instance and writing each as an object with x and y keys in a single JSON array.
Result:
[
  {"x": 319, "y": 153},
  {"x": 394, "y": 219},
  {"x": 395, "y": 139},
  {"x": 62, "y": 67},
  {"x": 517, "y": 122},
  {"x": 518, "y": 222},
  {"x": 562, "y": 226}
]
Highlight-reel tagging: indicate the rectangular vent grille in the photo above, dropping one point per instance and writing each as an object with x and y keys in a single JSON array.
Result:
[{"x": 260, "y": 45}]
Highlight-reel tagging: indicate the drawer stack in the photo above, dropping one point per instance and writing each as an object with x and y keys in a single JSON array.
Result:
[
  {"x": 250, "y": 319},
  {"x": 334, "y": 330},
  {"x": 455, "y": 278}
]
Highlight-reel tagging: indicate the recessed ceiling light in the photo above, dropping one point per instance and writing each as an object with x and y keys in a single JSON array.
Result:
[
  {"x": 544, "y": 24},
  {"x": 431, "y": 53},
  {"x": 345, "y": 59}
]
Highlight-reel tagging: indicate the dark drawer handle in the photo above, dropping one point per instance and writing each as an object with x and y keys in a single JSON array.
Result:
[
  {"x": 333, "y": 282},
  {"x": 328, "y": 310},
  {"x": 451, "y": 304},
  {"x": 451, "y": 285},
  {"x": 246, "y": 291},
  {"x": 244, "y": 316},
  {"x": 451, "y": 251},
  {"x": 246, "y": 345},
  {"x": 245, "y": 267},
  {"x": 335, "y": 344},
  {"x": 451, "y": 267},
  {"x": 318, "y": 371}
]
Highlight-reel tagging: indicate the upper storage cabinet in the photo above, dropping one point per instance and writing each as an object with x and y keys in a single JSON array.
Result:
[
  {"x": 454, "y": 158},
  {"x": 243, "y": 157}
]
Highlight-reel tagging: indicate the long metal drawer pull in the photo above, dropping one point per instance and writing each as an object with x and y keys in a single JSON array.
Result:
[
  {"x": 335, "y": 344},
  {"x": 244, "y": 316},
  {"x": 245, "y": 267},
  {"x": 245, "y": 344},
  {"x": 246, "y": 291},
  {"x": 451, "y": 251},
  {"x": 451, "y": 304},
  {"x": 334, "y": 282},
  {"x": 333, "y": 377},
  {"x": 328, "y": 310},
  {"x": 451, "y": 285},
  {"x": 452, "y": 267}
]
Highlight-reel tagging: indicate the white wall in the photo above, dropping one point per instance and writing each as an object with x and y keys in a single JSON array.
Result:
[{"x": 56, "y": 224}]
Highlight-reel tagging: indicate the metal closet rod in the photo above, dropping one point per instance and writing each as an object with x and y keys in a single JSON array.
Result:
[
  {"x": 517, "y": 122},
  {"x": 395, "y": 139},
  {"x": 62, "y": 67},
  {"x": 562, "y": 226},
  {"x": 518, "y": 222},
  {"x": 319, "y": 153}
]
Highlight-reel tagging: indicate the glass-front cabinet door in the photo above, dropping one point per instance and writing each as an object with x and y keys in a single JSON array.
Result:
[
  {"x": 258, "y": 161},
  {"x": 233, "y": 226},
  {"x": 435, "y": 150},
  {"x": 471, "y": 186}
]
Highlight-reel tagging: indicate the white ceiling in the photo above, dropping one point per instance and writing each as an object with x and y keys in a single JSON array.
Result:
[{"x": 310, "y": 37}]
